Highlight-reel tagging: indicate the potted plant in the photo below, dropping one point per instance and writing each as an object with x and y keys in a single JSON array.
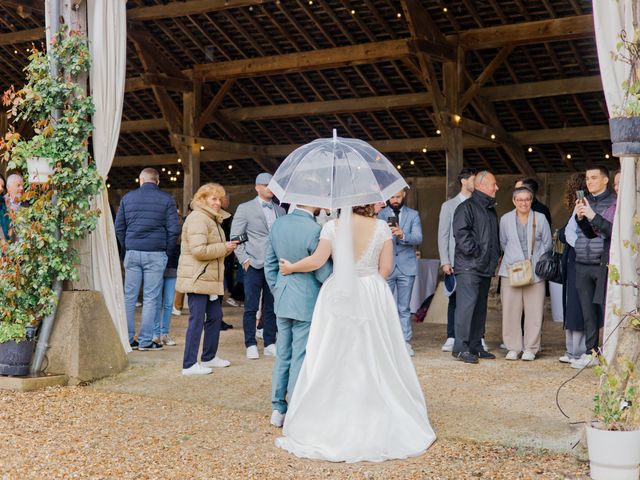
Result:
[
  {"x": 56, "y": 209},
  {"x": 625, "y": 124},
  {"x": 613, "y": 438}
]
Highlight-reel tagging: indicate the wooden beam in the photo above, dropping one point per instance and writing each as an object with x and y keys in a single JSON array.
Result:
[
  {"x": 22, "y": 36},
  {"x": 305, "y": 61},
  {"x": 547, "y": 88},
  {"x": 563, "y": 135},
  {"x": 214, "y": 104},
  {"x": 565, "y": 28},
  {"x": 147, "y": 125},
  {"x": 171, "y": 159},
  {"x": 177, "y": 84},
  {"x": 36, "y": 5},
  {"x": 486, "y": 74},
  {"x": 185, "y": 8}
]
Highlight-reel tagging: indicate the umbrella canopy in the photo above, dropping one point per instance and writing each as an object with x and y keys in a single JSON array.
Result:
[{"x": 336, "y": 173}]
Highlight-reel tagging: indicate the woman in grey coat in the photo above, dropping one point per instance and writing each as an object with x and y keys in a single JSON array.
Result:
[{"x": 517, "y": 229}]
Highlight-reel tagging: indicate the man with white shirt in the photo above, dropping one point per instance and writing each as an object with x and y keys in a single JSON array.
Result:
[
  {"x": 254, "y": 219},
  {"x": 447, "y": 244}
]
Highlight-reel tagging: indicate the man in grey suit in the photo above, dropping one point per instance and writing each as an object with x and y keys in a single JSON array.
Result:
[
  {"x": 406, "y": 229},
  {"x": 293, "y": 237},
  {"x": 254, "y": 219},
  {"x": 447, "y": 244}
]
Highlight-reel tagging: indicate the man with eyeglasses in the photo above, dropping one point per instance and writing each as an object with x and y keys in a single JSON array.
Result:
[{"x": 477, "y": 250}]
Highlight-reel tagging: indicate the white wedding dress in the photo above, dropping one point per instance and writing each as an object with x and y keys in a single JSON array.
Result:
[{"x": 357, "y": 396}]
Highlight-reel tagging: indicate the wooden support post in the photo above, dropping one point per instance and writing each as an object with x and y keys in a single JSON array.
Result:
[
  {"x": 191, "y": 151},
  {"x": 452, "y": 76}
]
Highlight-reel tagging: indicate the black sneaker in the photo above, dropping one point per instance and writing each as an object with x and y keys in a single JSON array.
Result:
[
  {"x": 466, "y": 357},
  {"x": 134, "y": 345},
  {"x": 151, "y": 347},
  {"x": 485, "y": 355},
  {"x": 225, "y": 326}
]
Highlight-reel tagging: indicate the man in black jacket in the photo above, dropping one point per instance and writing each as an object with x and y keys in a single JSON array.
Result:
[
  {"x": 475, "y": 228},
  {"x": 594, "y": 215}
]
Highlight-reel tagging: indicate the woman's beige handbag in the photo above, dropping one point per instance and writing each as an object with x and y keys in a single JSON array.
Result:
[{"x": 521, "y": 273}]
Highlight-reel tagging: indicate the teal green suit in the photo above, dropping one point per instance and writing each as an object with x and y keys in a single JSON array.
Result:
[{"x": 293, "y": 237}]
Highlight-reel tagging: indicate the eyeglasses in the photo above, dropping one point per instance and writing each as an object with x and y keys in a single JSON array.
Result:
[{"x": 522, "y": 200}]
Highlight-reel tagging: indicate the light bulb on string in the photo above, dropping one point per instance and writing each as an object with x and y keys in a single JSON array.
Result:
[
  {"x": 530, "y": 149},
  {"x": 493, "y": 136},
  {"x": 438, "y": 132},
  {"x": 607, "y": 156},
  {"x": 424, "y": 150},
  {"x": 568, "y": 156}
]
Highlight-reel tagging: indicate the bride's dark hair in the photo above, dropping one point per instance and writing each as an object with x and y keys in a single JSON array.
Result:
[{"x": 365, "y": 210}]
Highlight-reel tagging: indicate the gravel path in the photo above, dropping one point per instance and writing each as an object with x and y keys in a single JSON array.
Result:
[{"x": 496, "y": 420}]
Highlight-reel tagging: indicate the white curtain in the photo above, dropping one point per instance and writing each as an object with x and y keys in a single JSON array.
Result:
[
  {"x": 107, "y": 28},
  {"x": 610, "y": 17}
]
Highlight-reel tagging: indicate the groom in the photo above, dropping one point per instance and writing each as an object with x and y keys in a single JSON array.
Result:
[{"x": 293, "y": 237}]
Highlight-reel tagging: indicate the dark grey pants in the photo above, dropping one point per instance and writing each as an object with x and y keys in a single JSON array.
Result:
[
  {"x": 586, "y": 281},
  {"x": 472, "y": 292}
]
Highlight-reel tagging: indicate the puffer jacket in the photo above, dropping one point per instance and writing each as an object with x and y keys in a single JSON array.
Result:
[
  {"x": 475, "y": 228},
  {"x": 203, "y": 249},
  {"x": 590, "y": 249}
]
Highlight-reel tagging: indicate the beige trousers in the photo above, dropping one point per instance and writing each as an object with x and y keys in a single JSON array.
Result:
[{"x": 514, "y": 300}]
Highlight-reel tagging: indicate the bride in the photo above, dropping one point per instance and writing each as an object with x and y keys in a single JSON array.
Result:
[{"x": 358, "y": 396}]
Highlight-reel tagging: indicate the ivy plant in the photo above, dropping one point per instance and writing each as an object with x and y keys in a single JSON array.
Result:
[
  {"x": 39, "y": 255},
  {"x": 615, "y": 405}
]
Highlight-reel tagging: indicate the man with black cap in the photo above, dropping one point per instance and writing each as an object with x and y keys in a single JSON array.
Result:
[{"x": 254, "y": 219}]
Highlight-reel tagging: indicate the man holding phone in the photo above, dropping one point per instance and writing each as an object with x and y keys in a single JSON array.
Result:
[
  {"x": 406, "y": 229},
  {"x": 594, "y": 213}
]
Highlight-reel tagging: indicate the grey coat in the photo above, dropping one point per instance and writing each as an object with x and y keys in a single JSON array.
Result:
[
  {"x": 250, "y": 220},
  {"x": 510, "y": 242},
  {"x": 446, "y": 240}
]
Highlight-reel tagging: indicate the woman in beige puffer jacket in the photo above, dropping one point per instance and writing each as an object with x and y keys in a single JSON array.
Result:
[{"x": 201, "y": 275}]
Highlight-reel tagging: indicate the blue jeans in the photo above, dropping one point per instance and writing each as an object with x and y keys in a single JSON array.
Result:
[
  {"x": 291, "y": 348},
  {"x": 254, "y": 283},
  {"x": 402, "y": 286},
  {"x": 165, "y": 304},
  {"x": 147, "y": 267}
]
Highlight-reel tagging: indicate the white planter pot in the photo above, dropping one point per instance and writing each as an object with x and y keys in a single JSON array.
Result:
[
  {"x": 613, "y": 455},
  {"x": 39, "y": 169}
]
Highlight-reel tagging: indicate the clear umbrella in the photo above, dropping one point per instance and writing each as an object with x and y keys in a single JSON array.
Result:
[{"x": 335, "y": 173}]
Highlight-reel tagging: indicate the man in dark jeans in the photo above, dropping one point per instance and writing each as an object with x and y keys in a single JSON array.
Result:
[
  {"x": 254, "y": 219},
  {"x": 594, "y": 215},
  {"x": 475, "y": 228}
]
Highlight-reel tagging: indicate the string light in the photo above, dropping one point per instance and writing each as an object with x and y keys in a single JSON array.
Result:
[
  {"x": 445, "y": 10},
  {"x": 437, "y": 132},
  {"x": 15, "y": 51},
  {"x": 353, "y": 12},
  {"x": 457, "y": 118},
  {"x": 164, "y": 169},
  {"x": 108, "y": 185},
  {"x": 399, "y": 167},
  {"x": 424, "y": 150},
  {"x": 568, "y": 156},
  {"x": 179, "y": 160},
  {"x": 230, "y": 167},
  {"x": 399, "y": 15},
  {"x": 169, "y": 172},
  {"x": 412, "y": 162},
  {"x": 251, "y": 8},
  {"x": 493, "y": 136},
  {"x": 178, "y": 173},
  {"x": 201, "y": 147},
  {"x": 530, "y": 149},
  {"x": 310, "y": 2},
  {"x": 135, "y": 180},
  {"x": 607, "y": 156}
]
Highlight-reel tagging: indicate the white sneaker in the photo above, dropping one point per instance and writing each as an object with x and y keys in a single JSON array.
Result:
[
  {"x": 448, "y": 345},
  {"x": 168, "y": 341},
  {"x": 277, "y": 418},
  {"x": 216, "y": 362},
  {"x": 585, "y": 361},
  {"x": 138, "y": 304},
  {"x": 176, "y": 312},
  {"x": 503, "y": 346},
  {"x": 252, "y": 352},
  {"x": 259, "y": 332},
  {"x": 528, "y": 356},
  {"x": 484, "y": 345},
  {"x": 410, "y": 349},
  {"x": 232, "y": 302},
  {"x": 512, "y": 355},
  {"x": 565, "y": 359},
  {"x": 270, "y": 351},
  {"x": 196, "y": 369}
]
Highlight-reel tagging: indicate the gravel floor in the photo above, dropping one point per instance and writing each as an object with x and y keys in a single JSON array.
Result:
[{"x": 496, "y": 420}]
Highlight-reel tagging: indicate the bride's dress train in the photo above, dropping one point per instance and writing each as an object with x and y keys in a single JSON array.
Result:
[{"x": 357, "y": 396}]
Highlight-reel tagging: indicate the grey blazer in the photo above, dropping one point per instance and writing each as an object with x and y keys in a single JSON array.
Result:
[
  {"x": 250, "y": 220},
  {"x": 510, "y": 242},
  {"x": 446, "y": 241}
]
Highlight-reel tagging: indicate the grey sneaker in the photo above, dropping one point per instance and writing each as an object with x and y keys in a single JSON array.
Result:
[{"x": 168, "y": 341}]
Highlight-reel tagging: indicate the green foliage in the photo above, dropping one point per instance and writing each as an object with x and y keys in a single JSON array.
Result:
[
  {"x": 628, "y": 51},
  {"x": 30, "y": 265},
  {"x": 616, "y": 404}
]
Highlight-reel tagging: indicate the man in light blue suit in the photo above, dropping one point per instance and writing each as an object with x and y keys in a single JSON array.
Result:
[
  {"x": 293, "y": 237},
  {"x": 407, "y": 234}
]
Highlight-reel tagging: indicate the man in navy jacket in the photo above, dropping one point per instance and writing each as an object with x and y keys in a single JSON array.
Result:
[{"x": 147, "y": 227}]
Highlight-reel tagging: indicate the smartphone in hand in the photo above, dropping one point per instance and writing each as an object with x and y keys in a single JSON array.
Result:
[
  {"x": 580, "y": 195},
  {"x": 392, "y": 221}
]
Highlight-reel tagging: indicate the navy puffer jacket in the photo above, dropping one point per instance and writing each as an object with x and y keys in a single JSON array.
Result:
[
  {"x": 147, "y": 220},
  {"x": 590, "y": 249}
]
